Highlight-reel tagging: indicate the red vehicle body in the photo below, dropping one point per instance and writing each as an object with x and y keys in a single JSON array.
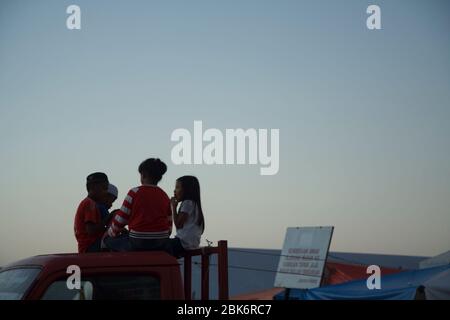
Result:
[{"x": 110, "y": 275}]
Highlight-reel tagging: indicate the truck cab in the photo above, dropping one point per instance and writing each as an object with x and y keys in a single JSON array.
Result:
[{"x": 103, "y": 276}]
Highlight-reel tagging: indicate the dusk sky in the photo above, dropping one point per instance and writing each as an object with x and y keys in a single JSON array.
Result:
[{"x": 364, "y": 116}]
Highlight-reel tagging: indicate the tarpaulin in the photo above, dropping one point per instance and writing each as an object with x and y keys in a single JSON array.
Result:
[{"x": 398, "y": 286}]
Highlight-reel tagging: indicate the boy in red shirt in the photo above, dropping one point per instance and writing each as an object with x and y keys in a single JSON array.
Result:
[
  {"x": 146, "y": 210},
  {"x": 88, "y": 225}
]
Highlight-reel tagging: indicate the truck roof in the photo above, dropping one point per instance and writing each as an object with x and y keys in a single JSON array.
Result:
[{"x": 102, "y": 259}]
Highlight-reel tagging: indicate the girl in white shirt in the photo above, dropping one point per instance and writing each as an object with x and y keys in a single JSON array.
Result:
[{"x": 188, "y": 219}]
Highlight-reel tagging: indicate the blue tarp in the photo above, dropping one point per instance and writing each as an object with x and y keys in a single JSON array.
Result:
[{"x": 398, "y": 286}]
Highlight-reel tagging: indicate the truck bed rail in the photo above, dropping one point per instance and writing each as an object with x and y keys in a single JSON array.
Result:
[{"x": 222, "y": 256}]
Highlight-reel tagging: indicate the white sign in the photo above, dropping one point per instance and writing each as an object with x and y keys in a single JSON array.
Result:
[{"x": 303, "y": 257}]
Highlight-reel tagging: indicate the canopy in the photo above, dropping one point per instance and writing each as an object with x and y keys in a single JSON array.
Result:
[
  {"x": 439, "y": 260},
  {"x": 438, "y": 287},
  {"x": 334, "y": 273},
  {"x": 398, "y": 286}
]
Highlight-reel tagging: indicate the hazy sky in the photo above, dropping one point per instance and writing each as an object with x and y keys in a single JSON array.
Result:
[{"x": 364, "y": 116}]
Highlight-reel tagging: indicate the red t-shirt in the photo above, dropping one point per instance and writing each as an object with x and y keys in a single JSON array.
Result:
[
  {"x": 87, "y": 212},
  {"x": 146, "y": 211}
]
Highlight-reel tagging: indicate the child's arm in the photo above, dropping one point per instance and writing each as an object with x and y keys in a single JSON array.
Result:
[
  {"x": 94, "y": 228},
  {"x": 107, "y": 220},
  {"x": 118, "y": 224},
  {"x": 121, "y": 217},
  {"x": 170, "y": 218},
  {"x": 92, "y": 220},
  {"x": 178, "y": 218}
]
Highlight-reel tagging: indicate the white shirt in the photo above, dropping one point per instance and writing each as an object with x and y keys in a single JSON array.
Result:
[{"x": 191, "y": 232}]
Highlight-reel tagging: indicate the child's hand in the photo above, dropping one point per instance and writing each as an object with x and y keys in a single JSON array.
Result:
[
  {"x": 174, "y": 202},
  {"x": 107, "y": 220}
]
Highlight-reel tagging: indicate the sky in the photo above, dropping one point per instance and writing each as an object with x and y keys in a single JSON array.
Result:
[{"x": 364, "y": 116}]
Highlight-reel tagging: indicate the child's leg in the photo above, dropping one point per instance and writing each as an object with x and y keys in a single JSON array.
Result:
[
  {"x": 175, "y": 248},
  {"x": 95, "y": 247},
  {"x": 148, "y": 244},
  {"x": 120, "y": 243}
]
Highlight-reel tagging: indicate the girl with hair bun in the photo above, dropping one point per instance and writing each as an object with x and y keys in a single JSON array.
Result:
[{"x": 147, "y": 212}]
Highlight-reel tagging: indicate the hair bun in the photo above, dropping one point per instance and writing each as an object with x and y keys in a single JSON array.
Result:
[
  {"x": 153, "y": 167},
  {"x": 162, "y": 166}
]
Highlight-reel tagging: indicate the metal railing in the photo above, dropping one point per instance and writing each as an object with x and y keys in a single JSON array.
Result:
[{"x": 222, "y": 268}]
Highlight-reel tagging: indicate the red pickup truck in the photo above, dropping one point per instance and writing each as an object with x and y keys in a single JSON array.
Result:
[{"x": 110, "y": 276}]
